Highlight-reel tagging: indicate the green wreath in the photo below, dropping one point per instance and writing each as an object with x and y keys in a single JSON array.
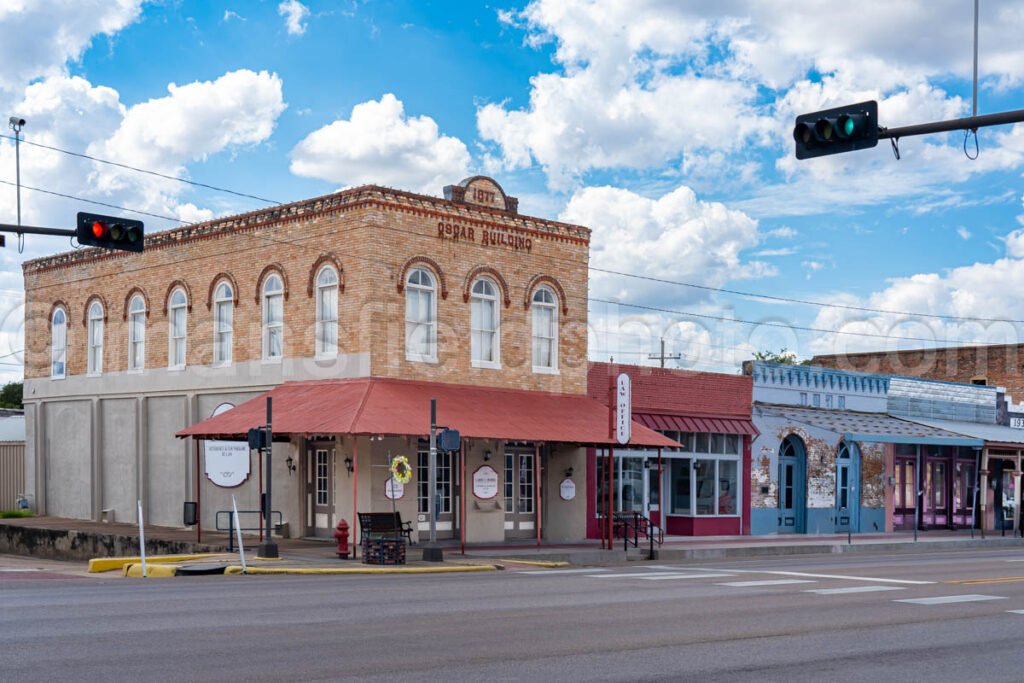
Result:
[{"x": 401, "y": 470}]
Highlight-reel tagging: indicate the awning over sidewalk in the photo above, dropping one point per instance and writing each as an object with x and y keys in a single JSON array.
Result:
[
  {"x": 995, "y": 436},
  {"x": 686, "y": 423},
  {"x": 394, "y": 407},
  {"x": 871, "y": 427}
]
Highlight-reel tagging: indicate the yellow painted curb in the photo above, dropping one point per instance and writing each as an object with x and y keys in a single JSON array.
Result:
[
  {"x": 266, "y": 559},
  {"x": 537, "y": 563},
  {"x": 156, "y": 571},
  {"x": 109, "y": 564},
  {"x": 360, "y": 570}
]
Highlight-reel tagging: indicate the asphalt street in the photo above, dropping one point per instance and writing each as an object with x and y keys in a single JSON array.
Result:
[{"x": 949, "y": 616}]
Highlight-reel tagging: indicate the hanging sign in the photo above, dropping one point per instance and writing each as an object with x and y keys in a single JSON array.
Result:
[
  {"x": 623, "y": 409},
  {"x": 393, "y": 489},
  {"x": 567, "y": 489},
  {"x": 227, "y": 462},
  {"x": 485, "y": 483}
]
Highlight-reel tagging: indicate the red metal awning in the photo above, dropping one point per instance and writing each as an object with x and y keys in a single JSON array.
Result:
[
  {"x": 684, "y": 423},
  {"x": 394, "y": 407}
]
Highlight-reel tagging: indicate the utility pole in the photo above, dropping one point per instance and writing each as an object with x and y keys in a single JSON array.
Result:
[
  {"x": 268, "y": 548},
  {"x": 662, "y": 356},
  {"x": 432, "y": 552},
  {"x": 17, "y": 123}
]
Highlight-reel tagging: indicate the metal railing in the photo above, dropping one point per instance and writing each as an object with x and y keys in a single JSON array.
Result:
[
  {"x": 230, "y": 528},
  {"x": 633, "y": 526}
]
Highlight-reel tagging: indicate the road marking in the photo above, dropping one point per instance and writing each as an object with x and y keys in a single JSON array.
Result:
[
  {"x": 873, "y": 579},
  {"x": 667, "y": 577},
  {"x": 770, "y": 582},
  {"x": 15, "y": 569},
  {"x": 949, "y": 599},
  {"x": 583, "y": 570},
  {"x": 853, "y": 589},
  {"x": 652, "y": 575},
  {"x": 1015, "y": 611},
  {"x": 978, "y": 582},
  {"x": 1018, "y": 560}
]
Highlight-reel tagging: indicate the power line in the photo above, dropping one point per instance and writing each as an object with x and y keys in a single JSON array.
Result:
[
  {"x": 97, "y": 203},
  {"x": 146, "y": 171}
]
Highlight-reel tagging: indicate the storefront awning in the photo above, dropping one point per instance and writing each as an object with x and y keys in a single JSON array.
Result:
[
  {"x": 394, "y": 407},
  {"x": 870, "y": 427},
  {"x": 687, "y": 423},
  {"x": 995, "y": 436}
]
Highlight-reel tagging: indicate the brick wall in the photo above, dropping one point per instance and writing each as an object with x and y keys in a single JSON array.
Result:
[{"x": 373, "y": 233}]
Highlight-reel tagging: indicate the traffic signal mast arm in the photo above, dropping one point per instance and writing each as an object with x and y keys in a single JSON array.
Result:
[
  {"x": 29, "y": 230},
  {"x": 966, "y": 123}
]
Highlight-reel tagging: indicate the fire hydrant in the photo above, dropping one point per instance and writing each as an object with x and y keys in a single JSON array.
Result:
[{"x": 341, "y": 535}]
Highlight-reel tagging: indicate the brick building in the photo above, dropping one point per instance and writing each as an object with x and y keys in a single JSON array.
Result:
[
  {"x": 337, "y": 303},
  {"x": 1000, "y": 365}
]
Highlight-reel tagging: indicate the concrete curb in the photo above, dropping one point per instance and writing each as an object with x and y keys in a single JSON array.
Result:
[
  {"x": 236, "y": 569},
  {"x": 109, "y": 564},
  {"x": 536, "y": 563},
  {"x": 156, "y": 571},
  {"x": 739, "y": 552}
]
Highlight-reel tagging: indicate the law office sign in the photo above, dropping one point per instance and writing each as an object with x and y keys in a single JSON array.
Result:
[{"x": 227, "y": 462}]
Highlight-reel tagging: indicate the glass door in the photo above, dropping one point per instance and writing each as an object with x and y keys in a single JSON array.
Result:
[
  {"x": 963, "y": 493},
  {"x": 319, "y": 490},
  {"x": 442, "y": 506},
  {"x": 935, "y": 508},
  {"x": 904, "y": 501},
  {"x": 520, "y": 493}
]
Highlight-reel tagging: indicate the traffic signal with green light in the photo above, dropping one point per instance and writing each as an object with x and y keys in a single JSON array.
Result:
[
  {"x": 833, "y": 131},
  {"x": 109, "y": 232}
]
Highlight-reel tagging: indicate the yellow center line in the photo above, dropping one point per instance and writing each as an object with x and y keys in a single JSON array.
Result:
[{"x": 977, "y": 582}]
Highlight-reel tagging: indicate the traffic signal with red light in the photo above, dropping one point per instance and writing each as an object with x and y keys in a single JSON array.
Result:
[
  {"x": 109, "y": 232},
  {"x": 833, "y": 131}
]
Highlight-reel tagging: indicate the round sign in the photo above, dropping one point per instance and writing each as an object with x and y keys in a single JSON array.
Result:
[
  {"x": 485, "y": 483},
  {"x": 227, "y": 462},
  {"x": 393, "y": 489},
  {"x": 567, "y": 489}
]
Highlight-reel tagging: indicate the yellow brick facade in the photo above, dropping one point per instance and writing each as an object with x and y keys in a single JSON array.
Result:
[{"x": 374, "y": 234}]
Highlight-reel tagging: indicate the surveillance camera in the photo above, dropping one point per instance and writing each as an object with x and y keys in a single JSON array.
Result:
[{"x": 16, "y": 121}]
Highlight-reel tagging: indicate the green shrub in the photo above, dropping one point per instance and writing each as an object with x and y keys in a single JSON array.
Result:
[{"x": 9, "y": 514}]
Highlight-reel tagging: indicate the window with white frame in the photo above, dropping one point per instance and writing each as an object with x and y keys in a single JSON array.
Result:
[
  {"x": 327, "y": 312},
  {"x": 484, "y": 323},
  {"x": 420, "y": 316},
  {"x": 706, "y": 484},
  {"x": 273, "y": 318},
  {"x": 58, "y": 344},
  {"x": 177, "y": 329},
  {"x": 223, "y": 323},
  {"x": 95, "y": 353},
  {"x": 545, "y": 330},
  {"x": 137, "y": 333}
]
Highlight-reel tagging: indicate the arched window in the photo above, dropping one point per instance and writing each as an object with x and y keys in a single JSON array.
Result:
[
  {"x": 137, "y": 333},
  {"x": 484, "y": 314},
  {"x": 327, "y": 312},
  {"x": 420, "y": 316},
  {"x": 223, "y": 323},
  {"x": 177, "y": 329},
  {"x": 273, "y": 318},
  {"x": 58, "y": 344},
  {"x": 545, "y": 330},
  {"x": 95, "y": 360}
]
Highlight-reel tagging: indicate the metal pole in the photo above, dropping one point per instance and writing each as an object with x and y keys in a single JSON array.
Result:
[
  {"x": 974, "y": 497},
  {"x": 432, "y": 551},
  {"x": 462, "y": 494},
  {"x": 611, "y": 480},
  {"x": 917, "y": 492},
  {"x": 16, "y": 125},
  {"x": 269, "y": 548},
  {"x": 199, "y": 498},
  {"x": 536, "y": 488},
  {"x": 974, "y": 99},
  {"x": 966, "y": 123}
]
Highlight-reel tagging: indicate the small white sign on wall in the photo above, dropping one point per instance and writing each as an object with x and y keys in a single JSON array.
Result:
[
  {"x": 485, "y": 483},
  {"x": 394, "y": 490},
  {"x": 1017, "y": 422},
  {"x": 227, "y": 462},
  {"x": 623, "y": 409},
  {"x": 567, "y": 489}
]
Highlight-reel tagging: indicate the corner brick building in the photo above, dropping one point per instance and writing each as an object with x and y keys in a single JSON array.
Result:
[{"x": 342, "y": 300}]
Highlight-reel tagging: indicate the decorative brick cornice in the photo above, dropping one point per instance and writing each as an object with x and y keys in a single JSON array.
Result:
[
  {"x": 127, "y": 299},
  {"x": 429, "y": 263},
  {"x": 216, "y": 281},
  {"x": 88, "y": 303},
  {"x": 492, "y": 274},
  {"x": 178, "y": 284},
  {"x": 538, "y": 280},
  {"x": 265, "y": 273},
  {"x": 323, "y": 259}
]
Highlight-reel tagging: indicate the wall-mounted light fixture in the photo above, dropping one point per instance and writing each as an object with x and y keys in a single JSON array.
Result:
[
  {"x": 289, "y": 462},
  {"x": 487, "y": 456},
  {"x": 568, "y": 472},
  {"x": 348, "y": 465}
]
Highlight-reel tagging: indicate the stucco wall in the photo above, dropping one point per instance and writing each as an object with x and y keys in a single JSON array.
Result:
[{"x": 68, "y": 468}]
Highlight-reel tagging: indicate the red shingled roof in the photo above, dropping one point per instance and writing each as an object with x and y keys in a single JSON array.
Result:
[
  {"x": 677, "y": 392},
  {"x": 390, "y": 407}
]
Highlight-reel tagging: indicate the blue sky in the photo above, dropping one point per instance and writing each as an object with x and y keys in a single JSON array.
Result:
[{"x": 663, "y": 125}]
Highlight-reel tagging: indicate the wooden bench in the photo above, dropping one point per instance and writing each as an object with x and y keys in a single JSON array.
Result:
[{"x": 378, "y": 525}]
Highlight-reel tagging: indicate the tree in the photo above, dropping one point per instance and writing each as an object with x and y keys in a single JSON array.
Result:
[
  {"x": 10, "y": 395},
  {"x": 783, "y": 357}
]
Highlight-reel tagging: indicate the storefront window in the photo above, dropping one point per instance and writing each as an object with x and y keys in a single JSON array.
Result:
[
  {"x": 631, "y": 497},
  {"x": 704, "y": 476},
  {"x": 728, "y": 481},
  {"x": 680, "y": 470}
]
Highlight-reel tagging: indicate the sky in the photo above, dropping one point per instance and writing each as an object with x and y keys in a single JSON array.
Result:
[{"x": 663, "y": 125}]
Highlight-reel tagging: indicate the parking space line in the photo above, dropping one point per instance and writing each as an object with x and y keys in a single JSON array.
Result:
[
  {"x": 873, "y": 579},
  {"x": 950, "y": 599},
  {"x": 769, "y": 582},
  {"x": 670, "y": 577},
  {"x": 582, "y": 570},
  {"x": 1015, "y": 611},
  {"x": 654, "y": 575},
  {"x": 853, "y": 589}
]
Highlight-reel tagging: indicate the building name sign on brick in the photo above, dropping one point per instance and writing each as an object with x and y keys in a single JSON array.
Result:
[{"x": 489, "y": 237}]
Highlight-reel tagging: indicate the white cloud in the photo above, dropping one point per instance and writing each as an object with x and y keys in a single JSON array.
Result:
[
  {"x": 784, "y": 233},
  {"x": 231, "y": 14},
  {"x": 379, "y": 144},
  {"x": 295, "y": 15},
  {"x": 964, "y": 233},
  {"x": 41, "y": 36},
  {"x": 784, "y": 251}
]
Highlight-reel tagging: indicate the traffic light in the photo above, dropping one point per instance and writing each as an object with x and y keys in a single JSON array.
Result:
[
  {"x": 833, "y": 131},
  {"x": 109, "y": 232}
]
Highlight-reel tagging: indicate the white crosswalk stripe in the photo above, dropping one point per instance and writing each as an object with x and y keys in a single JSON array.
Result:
[
  {"x": 852, "y": 589},
  {"x": 950, "y": 599},
  {"x": 542, "y": 572},
  {"x": 767, "y": 582}
]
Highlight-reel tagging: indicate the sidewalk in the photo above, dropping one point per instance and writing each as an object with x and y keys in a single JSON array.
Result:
[{"x": 81, "y": 540}]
